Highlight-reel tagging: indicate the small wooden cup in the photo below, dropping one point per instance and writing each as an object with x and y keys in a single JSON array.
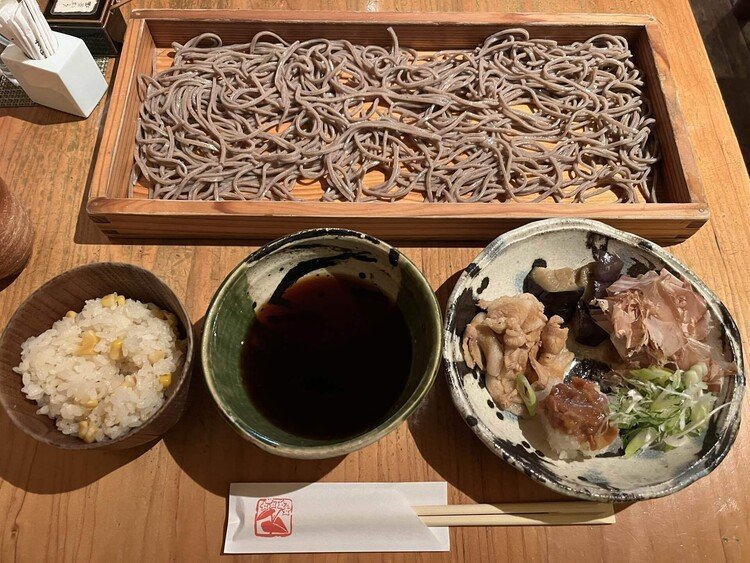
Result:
[
  {"x": 16, "y": 234},
  {"x": 68, "y": 292}
]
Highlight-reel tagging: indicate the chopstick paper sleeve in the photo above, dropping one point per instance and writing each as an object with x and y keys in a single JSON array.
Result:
[{"x": 332, "y": 517}]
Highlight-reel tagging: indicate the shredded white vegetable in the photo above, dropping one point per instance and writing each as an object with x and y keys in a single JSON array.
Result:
[{"x": 659, "y": 408}]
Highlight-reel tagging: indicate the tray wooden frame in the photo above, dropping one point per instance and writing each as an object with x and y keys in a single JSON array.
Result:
[{"x": 683, "y": 212}]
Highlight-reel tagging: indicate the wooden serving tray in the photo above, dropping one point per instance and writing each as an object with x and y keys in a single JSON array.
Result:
[{"x": 681, "y": 211}]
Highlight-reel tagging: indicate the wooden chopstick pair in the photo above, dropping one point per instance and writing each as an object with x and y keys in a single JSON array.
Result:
[{"x": 517, "y": 514}]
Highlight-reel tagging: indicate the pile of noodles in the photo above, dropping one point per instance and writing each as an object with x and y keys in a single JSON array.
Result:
[{"x": 515, "y": 119}]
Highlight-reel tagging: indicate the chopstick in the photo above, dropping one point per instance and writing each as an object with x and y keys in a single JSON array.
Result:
[{"x": 517, "y": 514}]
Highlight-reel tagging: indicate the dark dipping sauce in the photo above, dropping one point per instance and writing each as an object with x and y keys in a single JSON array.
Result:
[{"x": 329, "y": 359}]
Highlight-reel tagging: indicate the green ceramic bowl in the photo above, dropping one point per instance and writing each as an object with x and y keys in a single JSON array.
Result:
[{"x": 284, "y": 261}]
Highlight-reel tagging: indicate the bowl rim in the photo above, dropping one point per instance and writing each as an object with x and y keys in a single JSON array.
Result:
[
  {"x": 346, "y": 446},
  {"x": 184, "y": 373},
  {"x": 710, "y": 458}
]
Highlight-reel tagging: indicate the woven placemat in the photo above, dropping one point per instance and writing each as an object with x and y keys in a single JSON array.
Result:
[{"x": 12, "y": 96}]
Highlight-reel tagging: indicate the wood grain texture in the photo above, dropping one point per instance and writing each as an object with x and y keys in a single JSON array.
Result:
[
  {"x": 168, "y": 502},
  {"x": 69, "y": 292},
  {"x": 147, "y": 49},
  {"x": 666, "y": 223}
]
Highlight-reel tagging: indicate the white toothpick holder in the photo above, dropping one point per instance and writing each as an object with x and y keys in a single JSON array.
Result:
[{"x": 68, "y": 81}]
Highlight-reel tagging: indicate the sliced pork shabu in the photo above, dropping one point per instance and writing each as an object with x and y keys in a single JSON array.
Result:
[{"x": 511, "y": 336}]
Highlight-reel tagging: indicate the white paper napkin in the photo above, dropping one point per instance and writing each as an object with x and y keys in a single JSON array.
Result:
[{"x": 330, "y": 517}]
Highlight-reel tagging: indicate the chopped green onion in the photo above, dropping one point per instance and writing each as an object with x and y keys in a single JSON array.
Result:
[
  {"x": 665, "y": 403},
  {"x": 700, "y": 369},
  {"x": 702, "y": 409},
  {"x": 655, "y": 374},
  {"x": 691, "y": 377},
  {"x": 698, "y": 424},
  {"x": 658, "y": 408},
  {"x": 526, "y": 393},
  {"x": 641, "y": 440}
]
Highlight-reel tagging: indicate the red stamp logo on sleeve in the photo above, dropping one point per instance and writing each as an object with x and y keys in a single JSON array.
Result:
[{"x": 273, "y": 517}]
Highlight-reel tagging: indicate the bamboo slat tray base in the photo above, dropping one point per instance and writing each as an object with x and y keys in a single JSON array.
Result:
[{"x": 681, "y": 211}]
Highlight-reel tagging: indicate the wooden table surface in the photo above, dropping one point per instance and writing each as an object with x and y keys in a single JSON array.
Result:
[{"x": 168, "y": 501}]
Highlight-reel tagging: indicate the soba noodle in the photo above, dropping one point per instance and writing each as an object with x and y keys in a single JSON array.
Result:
[{"x": 515, "y": 119}]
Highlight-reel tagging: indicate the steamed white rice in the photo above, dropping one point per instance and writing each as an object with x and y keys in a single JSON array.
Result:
[
  {"x": 103, "y": 394},
  {"x": 569, "y": 447}
]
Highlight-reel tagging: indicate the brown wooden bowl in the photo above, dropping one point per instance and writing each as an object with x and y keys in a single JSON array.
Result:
[
  {"x": 16, "y": 233},
  {"x": 68, "y": 292}
]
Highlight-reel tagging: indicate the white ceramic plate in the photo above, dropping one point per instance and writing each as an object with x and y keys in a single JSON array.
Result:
[{"x": 499, "y": 270}]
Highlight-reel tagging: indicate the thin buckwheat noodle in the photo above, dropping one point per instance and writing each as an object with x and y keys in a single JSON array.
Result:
[{"x": 515, "y": 119}]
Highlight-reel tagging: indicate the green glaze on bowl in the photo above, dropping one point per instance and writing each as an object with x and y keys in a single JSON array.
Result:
[{"x": 280, "y": 264}]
